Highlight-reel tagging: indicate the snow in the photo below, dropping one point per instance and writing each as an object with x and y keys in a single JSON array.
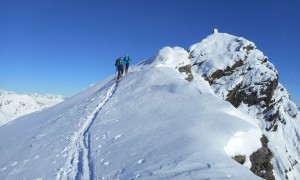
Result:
[
  {"x": 152, "y": 125},
  {"x": 80, "y": 140},
  {"x": 14, "y": 105},
  {"x": 170, "y": 57}
]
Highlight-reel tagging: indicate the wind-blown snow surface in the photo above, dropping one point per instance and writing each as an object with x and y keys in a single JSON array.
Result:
[
  {"x": 153, "y": 124},
  {"x": 14, "y": 105}
]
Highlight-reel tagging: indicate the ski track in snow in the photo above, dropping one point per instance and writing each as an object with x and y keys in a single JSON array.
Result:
[{"x": 79, "y": 163}]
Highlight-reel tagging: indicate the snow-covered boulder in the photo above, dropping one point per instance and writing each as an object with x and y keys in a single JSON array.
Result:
[
  {"x": 170, "y": 57},
  {"x": 176, "y": 58}
]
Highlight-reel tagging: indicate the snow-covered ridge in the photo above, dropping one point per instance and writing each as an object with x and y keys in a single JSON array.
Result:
[
  {"x": 14, "y": 105},
  {"x": 153, "y": 124}
]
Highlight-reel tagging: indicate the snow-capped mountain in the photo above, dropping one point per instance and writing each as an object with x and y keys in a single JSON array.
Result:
[
  {"x": 14, "y": 105},
  {"x": 153, "y": 124},
  {"x": 213, "y": 112},
  {"x": 239, "y": 73}
]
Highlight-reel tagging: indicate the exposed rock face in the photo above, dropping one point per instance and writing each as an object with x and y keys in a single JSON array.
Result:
[
  {"x": 242, "y": 75},
  {"x": 261, "y": 161}
]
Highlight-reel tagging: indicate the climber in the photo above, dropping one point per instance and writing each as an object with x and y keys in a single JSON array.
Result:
[
  {"x": 126, "y": 61},
  {"x": 120, "y": 68}
]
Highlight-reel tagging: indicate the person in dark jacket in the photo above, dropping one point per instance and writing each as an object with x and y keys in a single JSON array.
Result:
[{"x": 120, "y": 68}]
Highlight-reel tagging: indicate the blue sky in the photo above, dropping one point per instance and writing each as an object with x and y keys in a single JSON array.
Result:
[{"x": 63, "y": 46}]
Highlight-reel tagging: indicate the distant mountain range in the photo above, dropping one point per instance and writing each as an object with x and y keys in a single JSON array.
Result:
[{"x": 14, "y": 105}]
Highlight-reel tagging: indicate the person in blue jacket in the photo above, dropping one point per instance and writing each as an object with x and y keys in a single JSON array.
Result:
[{"x": 126, "y": 61}]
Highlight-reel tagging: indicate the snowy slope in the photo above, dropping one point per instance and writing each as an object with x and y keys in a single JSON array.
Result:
[
  {"x": 239, "y": 73},
  {"x": 154, "y": 124},
  {"x": 14, "y": 105}
]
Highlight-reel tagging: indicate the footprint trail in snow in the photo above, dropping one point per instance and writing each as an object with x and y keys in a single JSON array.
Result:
[{"x": 79, "y": 164}]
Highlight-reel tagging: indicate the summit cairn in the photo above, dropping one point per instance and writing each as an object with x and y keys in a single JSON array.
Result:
[{"x": 216, "y": 31}]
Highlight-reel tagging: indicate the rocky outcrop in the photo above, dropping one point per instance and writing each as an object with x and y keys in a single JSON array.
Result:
[
  {"x": 261, "y": 161},
  {"x": 245, "y": 94},
  {"x": 239, "y": 73},
  {"x": 188, "y": 70},
  {"x": 227, "y": 72}
]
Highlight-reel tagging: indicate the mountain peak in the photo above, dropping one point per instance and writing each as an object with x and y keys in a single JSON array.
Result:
[{"x": 240, "y": 73}]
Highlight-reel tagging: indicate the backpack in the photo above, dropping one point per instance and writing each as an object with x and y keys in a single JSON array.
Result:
[{"x": 118, "y": 62}]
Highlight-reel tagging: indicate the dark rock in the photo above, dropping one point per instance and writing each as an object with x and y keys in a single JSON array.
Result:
[
  {"x": 249, "y": 48},
  {"x": 231, "y": 97},
  {"x": 188, "y": 70},
  {"x": 273, "y": 120},
  {"x": 248, "y": 96},
  {"x": 216, "y": 75},
  {"x": 198, "y": 63},
  {"x": 261, "y": 161},
  {"x": 265, "y": 60},
  {"x": 240, "y": 94},
  {"x": 269, "y": 91},
  {"x": 227, "y": 72},
  {"x": 240, "y": 159}
]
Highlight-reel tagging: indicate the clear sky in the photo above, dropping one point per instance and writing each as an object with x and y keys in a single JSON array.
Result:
[{"x": 63, "y": 46}]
